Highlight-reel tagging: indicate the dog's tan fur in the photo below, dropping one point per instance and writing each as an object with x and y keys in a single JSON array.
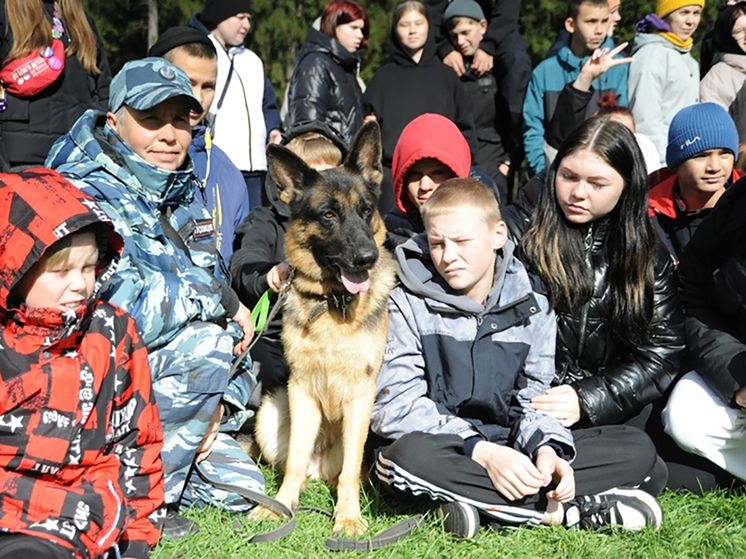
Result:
[{"x": 318, "y": 427}]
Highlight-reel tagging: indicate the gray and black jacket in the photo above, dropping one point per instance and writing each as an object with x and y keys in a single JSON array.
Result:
[{"x": 456, "y": 367}]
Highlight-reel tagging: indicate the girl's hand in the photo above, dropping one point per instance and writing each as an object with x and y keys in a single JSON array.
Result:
[
  {"x": 560, "y": 402},
  {"x": 511, "y": 472},
  {"x": 455, "y": 60}
]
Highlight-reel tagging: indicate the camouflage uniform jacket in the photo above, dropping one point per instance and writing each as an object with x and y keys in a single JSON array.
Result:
[
  {"x": 162, "y": 285},
  {"x": 81, "y": 439}
]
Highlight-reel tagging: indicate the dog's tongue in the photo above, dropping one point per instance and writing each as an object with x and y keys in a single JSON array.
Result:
[{"x": 356, "y": 282}]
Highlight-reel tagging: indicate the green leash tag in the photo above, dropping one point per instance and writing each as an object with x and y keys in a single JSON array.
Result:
[{"x": 260, "y": 312}]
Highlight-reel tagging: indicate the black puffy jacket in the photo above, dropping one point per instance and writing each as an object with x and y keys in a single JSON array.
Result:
[
  {"x": 324, "y": 87},
  {"x": 30, "y": 125},
  {"x": 614, "y": 379},
  {"x": 713, "y": 293}
]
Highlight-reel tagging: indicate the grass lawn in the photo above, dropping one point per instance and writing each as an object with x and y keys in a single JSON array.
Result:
[{"x": 711, "y": 526}]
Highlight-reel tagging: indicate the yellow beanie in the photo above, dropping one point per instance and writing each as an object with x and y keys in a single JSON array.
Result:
[{"x": 665, "y": 7}]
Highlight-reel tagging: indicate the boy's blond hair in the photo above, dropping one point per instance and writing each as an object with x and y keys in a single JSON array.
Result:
[
  {"x": 316, "y": 150},
  {"x": 459, "y": 192},
  {"x": 59, "y": 253}
]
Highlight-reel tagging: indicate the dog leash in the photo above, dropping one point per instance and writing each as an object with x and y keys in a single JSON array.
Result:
[
  {"x": 263, "y": 316},
  {"x": 389, "y": 536}
]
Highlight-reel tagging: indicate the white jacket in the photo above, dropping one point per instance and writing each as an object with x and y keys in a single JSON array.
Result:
[
  {"x": 238, "y": 125},
  {"x": 663, "y": 79}
]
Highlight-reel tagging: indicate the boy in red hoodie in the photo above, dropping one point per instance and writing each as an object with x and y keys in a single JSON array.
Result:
[
  {"x": 80, "y": 436},
  {"x": 430, "y": 150}
]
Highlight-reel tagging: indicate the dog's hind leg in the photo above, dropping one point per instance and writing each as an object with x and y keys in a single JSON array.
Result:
[{"x": 356, "y": 420}]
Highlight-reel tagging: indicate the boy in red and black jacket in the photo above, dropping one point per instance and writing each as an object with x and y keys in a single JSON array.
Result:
[{"x": 80, "y": 436}]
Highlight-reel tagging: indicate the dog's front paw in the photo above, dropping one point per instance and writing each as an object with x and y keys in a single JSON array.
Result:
[
  {"x": 260, "y": 513},
  {"x": 356, "y": 526}
]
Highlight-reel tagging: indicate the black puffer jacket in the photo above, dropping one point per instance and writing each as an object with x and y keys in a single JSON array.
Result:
[
  {"x": 713, "y": 293},
  {"x": 30, "y": 125},
  {"x": 324, "y": 87},
  {"x": 614, "y": 379}
]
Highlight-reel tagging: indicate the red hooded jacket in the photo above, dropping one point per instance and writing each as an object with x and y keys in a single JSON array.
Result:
[
  {"x": 80, "y": 436},
  {"x": 427, "y": 136}
]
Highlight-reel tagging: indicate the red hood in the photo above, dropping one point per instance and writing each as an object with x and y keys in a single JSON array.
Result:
[
  {"x": 662, "y": 197},
  {"x": 37, "y": 208},
  {"x": 428, "y": 136}
]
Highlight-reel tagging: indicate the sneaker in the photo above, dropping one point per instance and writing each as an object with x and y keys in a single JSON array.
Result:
[
  {"x": 627, "y": 508},
  {"x": 177, "y": 527},
  {"x": 459, "y": 519}
]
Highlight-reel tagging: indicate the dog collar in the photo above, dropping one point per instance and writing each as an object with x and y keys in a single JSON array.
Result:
[{"x": 334, "y": 300}]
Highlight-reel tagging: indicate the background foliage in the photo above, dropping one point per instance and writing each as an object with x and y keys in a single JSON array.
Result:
[{"x": 279, "y": 27}]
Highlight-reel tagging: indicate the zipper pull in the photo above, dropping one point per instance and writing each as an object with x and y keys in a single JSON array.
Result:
[{"x": 589, "y": 238}]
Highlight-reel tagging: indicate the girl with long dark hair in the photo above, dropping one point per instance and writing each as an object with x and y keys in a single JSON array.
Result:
[
  {"x": 619, "y": 325},
  {"x": 29, "y": 124}
]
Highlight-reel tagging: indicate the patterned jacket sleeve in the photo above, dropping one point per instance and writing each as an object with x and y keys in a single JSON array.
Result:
[
  {"x": 161, "y": 299},
  {"x": 138, "y": 445}
]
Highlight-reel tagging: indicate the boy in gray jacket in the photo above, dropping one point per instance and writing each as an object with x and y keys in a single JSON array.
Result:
[{"x": 471, "y": 340}]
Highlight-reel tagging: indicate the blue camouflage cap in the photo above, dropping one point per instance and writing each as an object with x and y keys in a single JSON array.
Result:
[{"x": 143, "y": 84}]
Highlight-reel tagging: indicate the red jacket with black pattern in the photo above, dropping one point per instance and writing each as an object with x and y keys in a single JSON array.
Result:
[{"x": 80, "y": 436}]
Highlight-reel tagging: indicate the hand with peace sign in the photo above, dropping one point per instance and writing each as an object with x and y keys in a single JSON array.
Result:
[{"x": 598, "y": 63}]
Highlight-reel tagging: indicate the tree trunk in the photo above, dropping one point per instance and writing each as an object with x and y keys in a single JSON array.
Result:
[{"x": 152, "y": 22}]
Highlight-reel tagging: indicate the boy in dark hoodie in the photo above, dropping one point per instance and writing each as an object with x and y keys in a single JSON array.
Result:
[
  {"x": 470, "y": 342},
  {"x": 80, "y": 461},
  {"x": 467, "y": 26}
]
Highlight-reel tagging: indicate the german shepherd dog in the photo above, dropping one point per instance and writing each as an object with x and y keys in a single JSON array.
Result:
[{"x": 335, "y": 318}]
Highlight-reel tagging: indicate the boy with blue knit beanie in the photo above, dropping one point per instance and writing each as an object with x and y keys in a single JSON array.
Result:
[{"x": 702, "y": 144}]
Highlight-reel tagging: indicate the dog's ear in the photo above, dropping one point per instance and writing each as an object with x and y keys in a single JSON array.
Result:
[
  {"x": 365, "y": 154},
  {"x": 290, "y": 172}
]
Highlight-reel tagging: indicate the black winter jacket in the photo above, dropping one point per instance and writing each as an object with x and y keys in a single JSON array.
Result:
[
  {"x": 30, "y": 125},
  {"x": 324, "y": 87},
  {"x": 712, "y": 275},
  {"x": 614, "y": 379},
  {"x": 402, "y": 89}
]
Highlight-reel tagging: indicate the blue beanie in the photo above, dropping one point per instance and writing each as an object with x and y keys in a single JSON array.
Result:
[{"x": 698, "y": 128}]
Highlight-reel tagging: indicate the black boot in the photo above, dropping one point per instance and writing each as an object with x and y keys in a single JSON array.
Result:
[{"x": 177, "y": 527}]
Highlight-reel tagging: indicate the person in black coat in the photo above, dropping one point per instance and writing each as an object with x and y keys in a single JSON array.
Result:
[
  {"x": 620, "y": 329},
  {"x": 324, "y": 86},
  {"x": 29, "y": 125},
  {"x": 705, "y": 412},
  {"x": 413, "y": 83},
  {"x": 258, "y": 264}
]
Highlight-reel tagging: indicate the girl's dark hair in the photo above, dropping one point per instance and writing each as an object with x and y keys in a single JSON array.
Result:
[
  {"x": 339, "y": 12},
  {"x": 555, "y": 248}
]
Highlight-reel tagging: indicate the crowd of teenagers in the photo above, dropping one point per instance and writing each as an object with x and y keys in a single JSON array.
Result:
[{"x": 558, "y": 357}]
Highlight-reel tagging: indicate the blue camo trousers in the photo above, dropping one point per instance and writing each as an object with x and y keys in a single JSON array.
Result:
[{"x": 190, "y": 376}]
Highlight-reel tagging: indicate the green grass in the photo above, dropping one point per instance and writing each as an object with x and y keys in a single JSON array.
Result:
[{"x": 711, "y": 526}]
